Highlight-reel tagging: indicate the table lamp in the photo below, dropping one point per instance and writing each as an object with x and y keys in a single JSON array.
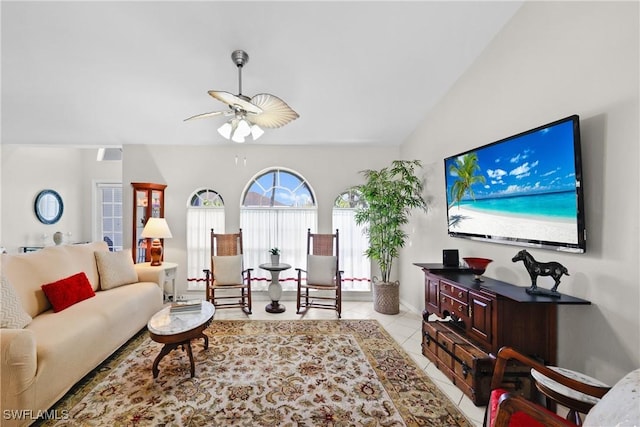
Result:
[{"x": 156, "y": 229}]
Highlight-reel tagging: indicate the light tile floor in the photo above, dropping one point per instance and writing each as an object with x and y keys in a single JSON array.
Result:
[{"x": 405, "y": 327}]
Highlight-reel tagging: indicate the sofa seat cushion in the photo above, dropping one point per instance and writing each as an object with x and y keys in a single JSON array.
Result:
[
  {"x": 73, "y": 342},
  {"x": 68, "y": 291}
]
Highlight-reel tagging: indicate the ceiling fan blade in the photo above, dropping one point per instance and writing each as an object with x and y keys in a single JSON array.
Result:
[
  {"x": 203, "y": 115},
  {"x": 234, "y": 100},
  {"x": 275, "y": 112}
]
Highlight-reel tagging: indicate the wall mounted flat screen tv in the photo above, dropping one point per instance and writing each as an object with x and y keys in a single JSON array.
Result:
[{"x": 523, "y": 190}]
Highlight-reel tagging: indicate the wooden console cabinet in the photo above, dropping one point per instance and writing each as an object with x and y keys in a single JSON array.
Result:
[{"x": 484, "y": 316}]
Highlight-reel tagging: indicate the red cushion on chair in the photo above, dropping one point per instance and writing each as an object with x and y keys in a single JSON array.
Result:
[
  {"x": 518, "y": 419},
  {"x": 68, "y": 291}
]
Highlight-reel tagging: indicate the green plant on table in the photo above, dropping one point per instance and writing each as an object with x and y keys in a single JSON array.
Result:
[{"x": 274, "y": 251}]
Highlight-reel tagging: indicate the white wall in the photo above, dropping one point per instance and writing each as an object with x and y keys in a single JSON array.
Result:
[
  {"x": 553, "y": 59},
  {"x": 329, "y": 170},
  {"x": 26, "y": 171}
]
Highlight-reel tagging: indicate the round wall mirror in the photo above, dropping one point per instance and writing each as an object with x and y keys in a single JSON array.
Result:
[{"x": 48, "y": 206}]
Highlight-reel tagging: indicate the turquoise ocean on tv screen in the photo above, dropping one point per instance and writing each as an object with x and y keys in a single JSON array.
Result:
[{"x": 559, "y": 205}]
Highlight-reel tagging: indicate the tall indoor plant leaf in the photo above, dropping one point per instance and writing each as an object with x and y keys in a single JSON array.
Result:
[{"x": 390, "y": 194}]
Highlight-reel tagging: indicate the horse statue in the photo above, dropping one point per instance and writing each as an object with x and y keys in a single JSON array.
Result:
[{"x": 535, "y": 269}]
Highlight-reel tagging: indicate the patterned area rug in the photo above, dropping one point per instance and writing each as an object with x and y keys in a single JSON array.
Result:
[{"x": 264, "y": 373}]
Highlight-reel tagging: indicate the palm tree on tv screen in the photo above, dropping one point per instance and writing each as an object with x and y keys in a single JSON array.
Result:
[{"x": 465, "y": 168}]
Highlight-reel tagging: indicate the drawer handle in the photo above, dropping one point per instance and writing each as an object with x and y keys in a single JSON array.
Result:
[
  {"x": 444, "y": 299},
  {"x": 465, "y": 370},
  {"x": 460, "y": 308},
  {"x": 459, "y": 294}
]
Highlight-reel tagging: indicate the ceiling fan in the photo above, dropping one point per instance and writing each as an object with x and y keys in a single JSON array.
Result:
[{"x": 249, "y": 115}]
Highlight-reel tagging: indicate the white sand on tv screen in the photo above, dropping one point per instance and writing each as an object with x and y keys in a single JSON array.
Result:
[{"x": 464, "y": 220}]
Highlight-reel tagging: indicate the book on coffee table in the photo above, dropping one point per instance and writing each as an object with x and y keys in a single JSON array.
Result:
[{"x": 188, "y": 306}]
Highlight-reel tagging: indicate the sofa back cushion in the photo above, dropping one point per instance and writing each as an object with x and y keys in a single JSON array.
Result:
[
  {"x": 115, "y": 269},
  {"x": 28, "y": 272}
]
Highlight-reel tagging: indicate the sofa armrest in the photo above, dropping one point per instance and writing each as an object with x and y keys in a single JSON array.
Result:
[
  {"x": 18, "y": 366},
  {"x": 149, "y": 274},
  {"x": 620, "y": 406}
]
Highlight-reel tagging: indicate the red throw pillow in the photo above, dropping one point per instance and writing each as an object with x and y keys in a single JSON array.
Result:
[{"x": 68, "y": 291}]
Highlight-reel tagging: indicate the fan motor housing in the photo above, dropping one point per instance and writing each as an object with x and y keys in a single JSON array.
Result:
[{"x": 239, "y": 57}]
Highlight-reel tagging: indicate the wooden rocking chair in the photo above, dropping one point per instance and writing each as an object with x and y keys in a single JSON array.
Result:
[
  {"x": 322, "y": 275},
  {"x": 227, "y": 275}
]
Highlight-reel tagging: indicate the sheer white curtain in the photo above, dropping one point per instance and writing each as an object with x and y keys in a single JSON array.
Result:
[
  {"x": 284, "y": 228},
  {"x": 353, "y": 244},
  {"x": 200, "y": 221}
]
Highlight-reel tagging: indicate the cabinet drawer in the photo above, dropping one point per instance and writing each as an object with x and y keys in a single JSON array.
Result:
[
  {"x": 453, "y": 291},
  {"x": 447, "y": 343},
  {"x": 430, "y": 332},
  {"x": 454, "y": 306},
  {"x": 473, "y": 362}
]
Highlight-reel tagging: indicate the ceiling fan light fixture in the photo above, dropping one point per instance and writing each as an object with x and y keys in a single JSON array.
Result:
[
  {"x": 225, "y": 130},
  {"x": 243, "y": 128},
  {"x": 256, "y": 132},
  {"x": 252, "y": 114}
]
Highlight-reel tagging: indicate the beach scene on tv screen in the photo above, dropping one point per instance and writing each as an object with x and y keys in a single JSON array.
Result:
[{"x": 522, "y": 188}]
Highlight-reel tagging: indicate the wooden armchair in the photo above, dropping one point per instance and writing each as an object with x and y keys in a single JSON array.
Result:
[
  {"x": 509, "y": 409},
  {"x": 228, "y": 282},
  {"x": 322, "y": 276}
]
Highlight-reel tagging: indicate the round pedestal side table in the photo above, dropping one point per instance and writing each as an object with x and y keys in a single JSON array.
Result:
[
  {"x": 275, "y": 288},
  {"x": 575, "y": 401}
]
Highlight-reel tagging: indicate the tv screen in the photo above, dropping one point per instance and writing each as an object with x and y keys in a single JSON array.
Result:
[{"x": 523, "y": 190}]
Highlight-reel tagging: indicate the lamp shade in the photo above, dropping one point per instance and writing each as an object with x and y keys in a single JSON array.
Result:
[{"x": 156, "y": 228}]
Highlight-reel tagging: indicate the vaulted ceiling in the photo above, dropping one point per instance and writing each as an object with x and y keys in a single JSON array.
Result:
[{"x": 91, "y": 73}]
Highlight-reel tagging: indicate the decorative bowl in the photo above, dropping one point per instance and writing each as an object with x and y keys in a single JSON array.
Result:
[{"x": 478, "y": 266}]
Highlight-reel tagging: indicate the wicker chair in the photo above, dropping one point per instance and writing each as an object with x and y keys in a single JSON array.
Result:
[
  {"x": 320, "y": 285},
  {"x": 227, "y": 275}
]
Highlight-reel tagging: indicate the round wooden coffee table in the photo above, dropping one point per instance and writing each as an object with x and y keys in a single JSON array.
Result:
[{"x": 178, "y": 329}]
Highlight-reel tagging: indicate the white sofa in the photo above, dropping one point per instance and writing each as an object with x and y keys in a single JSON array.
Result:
[{"x": 42, "y": 361}]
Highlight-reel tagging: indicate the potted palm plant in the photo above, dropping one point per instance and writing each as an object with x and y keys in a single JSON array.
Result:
[{"x": 390, "y": 194}]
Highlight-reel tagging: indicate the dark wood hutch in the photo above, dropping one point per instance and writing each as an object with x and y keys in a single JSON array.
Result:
[
  {"x": 483, "y": 317},
  {"x": 148, "y": 202}
]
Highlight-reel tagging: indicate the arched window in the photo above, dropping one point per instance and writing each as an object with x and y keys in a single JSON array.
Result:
[
  {"x": 278, "y": 206},
  {"x": 205, "y": 210},
  {"x": 353, "y": 242}
]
